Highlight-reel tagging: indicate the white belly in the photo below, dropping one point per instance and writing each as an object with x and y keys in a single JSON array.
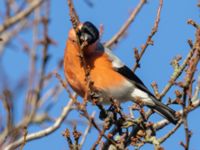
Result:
[{"x": 121, "y": 93}]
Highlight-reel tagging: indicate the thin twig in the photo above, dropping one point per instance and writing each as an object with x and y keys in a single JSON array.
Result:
[
  {"x": 159, "y": 125},
  {"x": 177, "y": 73},
  {"x": 197, "y": 90},
  {"x": 149, "y": 39},
  {"x": 73, "y": 14},
  {"x": 46, "y": 41},
  {"x": 11, "y": 34},
  {"x": 24, "y": 142},
  {"x": 87, "y": 130},
  {"x": 22, "y": 14},
  {"x": 8, "y": 105},
  {"x": 187, "y": 133},
  {"x": 165, "y": 137},
  {"x": 179, "y": 70},
  {"x": 33, "y": 55},
  {"x": 125, "y": 26}
]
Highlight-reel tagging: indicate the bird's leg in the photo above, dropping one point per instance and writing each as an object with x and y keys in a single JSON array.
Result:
[
  {"x": 96, "y": 99},
  {"x": 129, "y": 122},
  {"x": 109, "y": 113},
  {"x": 108, "y": 116}
]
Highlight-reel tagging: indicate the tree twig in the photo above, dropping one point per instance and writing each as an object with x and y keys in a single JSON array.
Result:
[
  {"x": 179, "y": 70},
  {"x": 125, "y": 26},
  {"x": 159, "y": 125},
  {"x": 13, "y": 20},
  {"x": 86, "y": 131},
  {"x": 165, "y": 137},
  {"x": 149, "y": 39}
]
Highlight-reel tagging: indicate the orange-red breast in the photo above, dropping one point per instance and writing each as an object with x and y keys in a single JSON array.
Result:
[{"x": 110, "y": 76}]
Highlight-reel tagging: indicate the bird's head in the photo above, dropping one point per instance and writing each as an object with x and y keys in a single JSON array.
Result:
[{"x": 87, "y": 32}]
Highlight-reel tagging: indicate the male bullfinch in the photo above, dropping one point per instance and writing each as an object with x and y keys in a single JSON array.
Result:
[{"x": 110, "y": 76}]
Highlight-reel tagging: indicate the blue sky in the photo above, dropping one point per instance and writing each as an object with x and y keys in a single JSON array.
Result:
[{"x": 169, "y": 41}]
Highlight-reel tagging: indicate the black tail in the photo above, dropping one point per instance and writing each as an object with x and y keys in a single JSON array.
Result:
[{"x": 165, "y": 111}]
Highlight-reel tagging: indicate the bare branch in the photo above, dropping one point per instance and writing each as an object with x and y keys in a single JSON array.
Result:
[
  {"x": 73, "y": 15},
  {"x": 193, "y": 23},
  {"x": 86, "y": 131},
  {"x": 149, "y": 39},
  {"x": 11, "y": 21},
  {"x": 159, "y": 125},
  {"x": 177, "y": 73},
  {"x": 44, "y": 132},
  {"x": 125, "y": 26},
  {"x": 7, "y": 36},
  {"x": 197, "y": 90},
  {"x": 164, "y": 138}
]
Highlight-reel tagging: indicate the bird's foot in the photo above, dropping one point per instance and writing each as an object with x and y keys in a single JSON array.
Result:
[
  {"x": 129, "y": 122},
  {"x": 103, "y": 114}
]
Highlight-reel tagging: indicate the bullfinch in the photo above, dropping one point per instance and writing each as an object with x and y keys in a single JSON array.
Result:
[{"x": 110, "y": 76}]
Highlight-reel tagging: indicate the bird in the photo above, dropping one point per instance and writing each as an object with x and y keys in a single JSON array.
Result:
[{"x": 109, "y": 75}]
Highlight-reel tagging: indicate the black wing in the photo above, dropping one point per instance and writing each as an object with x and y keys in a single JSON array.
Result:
[{"x": 126, "y": 72}]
